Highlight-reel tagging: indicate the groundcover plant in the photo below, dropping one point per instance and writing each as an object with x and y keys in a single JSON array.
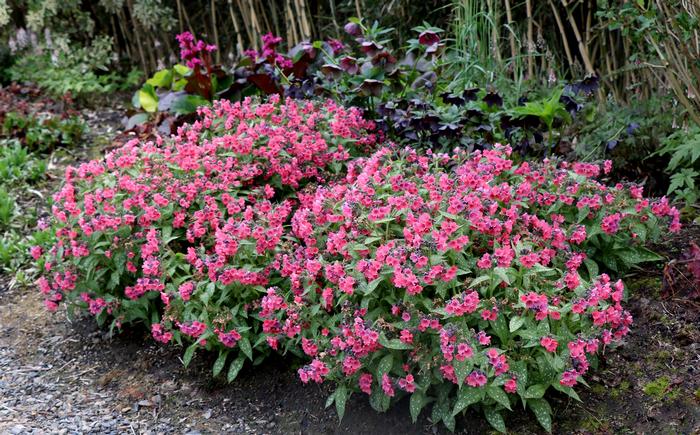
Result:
[
  {"x": 462, "y": 280},
  {"x": 181, "y": 234}
]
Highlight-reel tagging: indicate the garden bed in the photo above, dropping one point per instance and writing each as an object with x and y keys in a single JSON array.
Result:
[
  {"x": 74, "y": 377},
  {"x": 62, "y": 375}
]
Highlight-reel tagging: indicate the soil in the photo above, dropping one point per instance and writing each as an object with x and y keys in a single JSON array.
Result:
[{"x": 63, "y": 375}]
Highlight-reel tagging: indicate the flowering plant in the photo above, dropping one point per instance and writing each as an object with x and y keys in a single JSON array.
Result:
[
  {"x": 182, "y": 88},
  {"x": 459, "y": 280},
  {"x": 181, "y": 234}
]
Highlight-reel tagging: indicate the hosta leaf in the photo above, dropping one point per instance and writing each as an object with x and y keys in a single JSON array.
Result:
[
  {"x": 542, "y": 411},
  {"x": 148, "y": 100},
  {"x": 161, "y": 79}
]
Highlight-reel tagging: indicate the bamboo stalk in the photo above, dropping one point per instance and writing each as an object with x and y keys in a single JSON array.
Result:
[
  {"x": 138, "y": 38},
  {"x": 582, "y": 48},
  {"x": 239, "y": 39},
  {"x": 562, "y": 32},
  {"x": 248, "y": 26},
  {"x": 495, "y": 49},
  {"x": 254, "y": 20},
  {"x": 530, "y": 41},
  {"x": 215, "y": 31},
  {"x": 509, "y": 17},
  {"x": 292, "y": 34},
  {"x": 261, "y": 12},
  {"x": 179, "y": 16}
]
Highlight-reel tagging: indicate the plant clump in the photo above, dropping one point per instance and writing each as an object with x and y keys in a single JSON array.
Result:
[
  {"x": 181, "y": 234},
  {"x": 461, "y": 280}
]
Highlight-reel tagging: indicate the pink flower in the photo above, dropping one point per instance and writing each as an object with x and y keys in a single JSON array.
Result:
[
  {"x": 159, "y": 333},
  {"x": 194, "y": 329},
  {"x": 228, "y": 339},
  {"x": 568, "y": 378},
  {"x": 186, "y": 290},
  {"x": 407, "y": 384},
  {"x": 387, "y": 386},
  {"x": 476, "y": 379},
  {"x": 36, "y": 252},
  {"x": 365, "y": 382},
  {"x": 511, "y": 386},
  {"x": 549, "y": 344},
  {"x": 406, "y": 336}
]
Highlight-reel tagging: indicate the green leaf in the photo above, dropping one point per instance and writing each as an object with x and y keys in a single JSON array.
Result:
[
  {"x": 379, "y": 401},
  {"x": 189, "y": 353},
  {"x": 235, "y": 367},
  {"x": 465, "y": 397},
  {"x": 148, "y": 100},
  {"x": 182, "y": 70},
  {"x": 478, "y": 280},
  {"x": 244, "y": 345},
  {"x": 542, "y": 411},
  {"x": 161, "y": 79},
  {"x": 330, "y": 400},
  {"x": 515, "y": 323},
  {"x": 384, "y": 366},
  {"x": 535, "y": 391},
  {"x": 639, "y": 255},
  {"x": 500, "y": 327},
  {"x": 188, "y": 104},
  {"x": 373, "y": 285},
  {"x": 394, "y": 343},
  {"x": 592, "y": 267},
  {"x": 566, "y": 390},
  {"x": 501, "y": 273},
  {"x": 495, "y": 419},
  {"x": 341, "y": 396},
  {"x": 417, "y": 402},
  {"x": 220, "y": 363},
  {"x": 462, "y": 369},
  {"x": 496, "y": 393}
]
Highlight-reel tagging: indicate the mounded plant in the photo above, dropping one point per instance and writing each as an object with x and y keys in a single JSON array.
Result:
[
  {"x": 460, "y": 280},
  {"x": 181, "y": 234}
]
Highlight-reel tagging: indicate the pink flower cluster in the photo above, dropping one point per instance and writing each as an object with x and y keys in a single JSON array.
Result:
[
  {"x": 269, "y": 52},
  {"x": 188, "y": 228},
  {"x": 432, "y": 266},
  {"x": 193, "y": 52},
  {"x": 255, "y": 228}
]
